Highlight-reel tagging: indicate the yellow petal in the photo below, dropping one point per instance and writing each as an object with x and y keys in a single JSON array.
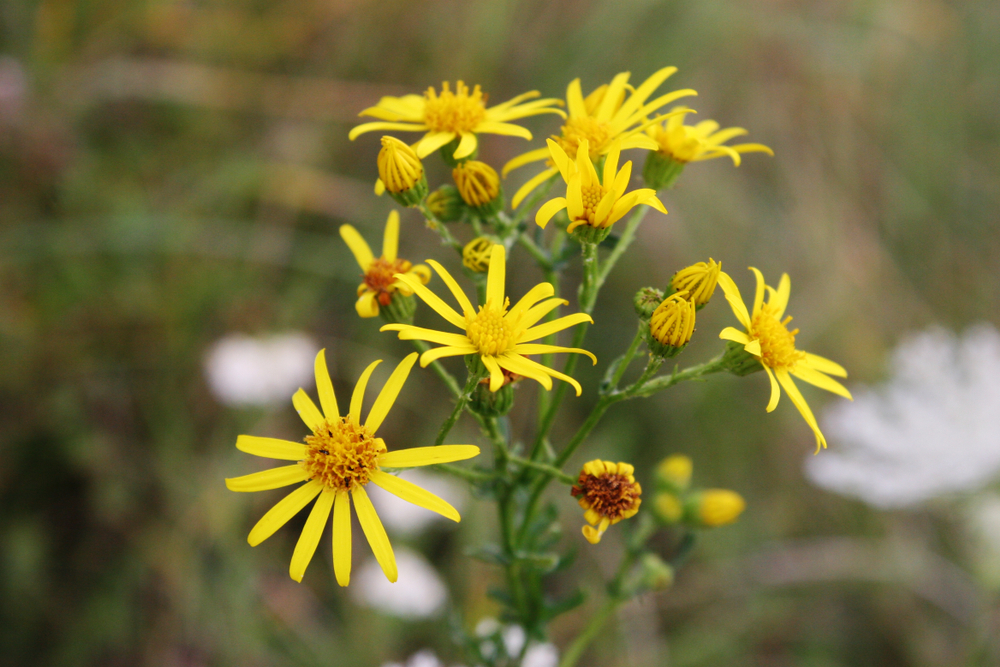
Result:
[
  {"x": 505, "y": 129},
  {"x": 554, "y": 373},
  {"x": 735, "y": 335},
  {"x": 286, "y": 508},
  {"x": 372, "y": 527},
  {"x": 549, "y": 209},
  {"x": 530, "y": 186},
  {"x": 342, "y": 538},
  {"x": 410, "y": 492},
  {"x": 311, "y": 534},
  {"x": 371, "y": 127},
  {"x": 390, "y": 239},
  {"x": 775, "y": 391},
  {"x": 265, "y": 480},
  {"x": 753, "y": 347},
  {"x": 615, "y": 89},
  {"x": 307, "y": 410},
  {"x": 815, "y": 378},
  {"x": 324, "y": 386},
  {"x": 367, "y": 305},
  {"x": 426, "y": 456},
  {"x": 447, "y": 351},
  {"x": 466, "y": 146},
  {"x": 410, "y": 332},
  {"x": 536, "y": 348},
  {"x": 824, "y": 365},
  {"x": 525, "y": 158},
  {"x": 433, "y": 300},
  {"x": 543, "y": 330},
  {"x": 574, "y": 100},
  {"x": 390, "y": 390},
  {"x": 732, "y": 293},
  {"x": 359, "y": 392},
  {"x": 496, "y": 375},
  {"x": 515, "y": 363},
  {"x": 536, "y": 313},
  {"x": 758, "y": 297},
  {"x": 780, "y": 298},
  {"x": 642, "y": 93},
  {"x": 362, "y": 253},
  {"x": 271, "y": 448},
  {"x": 432, "y": 141},
  {"x": 800, "y": 403},
  {"x": 534, "y": 295},
  {"x": 452, "y": 284},
  {"x": 497, "y": 275}
]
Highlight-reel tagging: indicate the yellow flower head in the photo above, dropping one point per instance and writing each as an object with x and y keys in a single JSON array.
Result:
[
  {"x": 477, "y": 183},
  {"x": 613, "y": 112},
  {"x": 718, "y": 507},
  {"x": 447, "y": 116},
  {"x": 476, "y": 254},
  {"x": 337, "y": 461},
  {"x": 608, "y": 493},
  {"x": 699, "y": 280},
  {"x": 500, "y": 334},
  {"x": 767, "y": 338},
  {"x": 672, "y": 323},
  {"x": 589, "y": 200},
  {"x": 703, "y": 141},
  {"x": 675, "y": 471},
  {"x": 399, "y": 168},
  {"x": 380, "y": 279}
]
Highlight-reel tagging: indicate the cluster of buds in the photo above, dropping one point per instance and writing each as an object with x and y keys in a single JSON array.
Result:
[
  {"x": 669, "y": 320},
  {"x": 675, "y": 502}
]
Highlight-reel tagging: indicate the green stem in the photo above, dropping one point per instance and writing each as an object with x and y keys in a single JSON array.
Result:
[
  {"x": 540, "y": 257},
  {"x": 624, "y": 241},
  {"x": 582, "y": 641},
  {"x": 529, "y": 204},
  {"x": 691, "y": 373},
  {"x": 440, "y": 370},
  {"x": 544, "y": 467},
  {"x": 460, "y": 402},
  {"x": 474, "y": 476},
  {"x": 442, "y": 231},
  {"x": 627, "y": 359}
]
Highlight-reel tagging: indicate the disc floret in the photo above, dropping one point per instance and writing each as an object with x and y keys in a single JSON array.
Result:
[
  {"x": 342, "y": 454},
  {"x": 609, "y": 493}
]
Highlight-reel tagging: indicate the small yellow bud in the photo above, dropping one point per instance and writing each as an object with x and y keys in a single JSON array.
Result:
[
  {"x": 668, "y": 507},
  {"x": 675, "y": 472},
  {"x": 476, "y": 254},
  {"x": 699, "y": 280},
  {"x": 401, "y": 172},
  {"x": 717, "y": 507},
  {"x": 445, "y": 203},
  {"x": 478, "y": 184},
  {"x": 671, "y": 325}
]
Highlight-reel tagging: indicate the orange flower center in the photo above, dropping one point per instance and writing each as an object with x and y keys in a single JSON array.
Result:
[
  {"x": 610, "y": 495},
  {"x": 341, "y": 454},
  {"x": 777, "y": 343},
  {"x": 380, "y": 276},
  {"x": 454, "y": 112}
]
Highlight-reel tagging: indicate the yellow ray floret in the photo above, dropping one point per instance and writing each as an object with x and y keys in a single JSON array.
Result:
[
  {"x": 589, "y": 200},
  {"x": 447, "y": 116},
  {"x": 500, "y": 334},
  {"x": 608, "y": 493},
  {"x": 613, "y": 112},
  {"x": 702, "y": 141},
  {"x": 380, "y": 280},
  {"x": 337, "y": 461},
  {"x": 766, "y": 336}
]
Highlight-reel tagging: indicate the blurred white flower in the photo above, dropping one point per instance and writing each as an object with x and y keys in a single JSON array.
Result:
[
  {"x": 513, "y": 639},
  {"x": 402, "y": 517},
  {"x": 932, "y": 429},
  {"x": 541, "y": 655},
  {"x": 424, "y": 658},
  {"x": 418, "y": 593},
  {"x": 242, "y": 370}
]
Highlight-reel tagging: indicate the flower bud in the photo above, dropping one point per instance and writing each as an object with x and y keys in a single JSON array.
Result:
[
  {"x": 674, "y": 473},
  {"x": 479, "y": 186},
  {"x": 476, "y": 254},
  {"x": 498, "y": 403},
  {"x": 646, "y": 300},
  {"x": 654, "y": 573},
  {"x": 400, "y": 309},
  {"x": 401, "y": 172},
  {"x": 714, "y": 507},
  {"x": 661, "y": 171},
  {"x": 445, "y": 203},
  {"x": 699, "y": 280},
  {"x": 671, "y": 325},
  {"x": 738, "y": 361},
  {"x": 668, "y": 508}
]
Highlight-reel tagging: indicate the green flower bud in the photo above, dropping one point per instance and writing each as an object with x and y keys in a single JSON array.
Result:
[
  {"x": 661, "y": 171},
  {"x": 646, "y": 300}
]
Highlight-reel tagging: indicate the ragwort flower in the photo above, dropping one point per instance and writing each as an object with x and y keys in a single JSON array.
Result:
[
  {"x": 336, "y": 463},
  {"x": 453, "y": 115},
  {"x": 588, "y": 200},
  {"x": 609, "y": 493},
  {"x": 702, "y": 141},
  {"x": 613, "y": 112},
  {"x": 766, "y": 337},
  {"x": 500, "y": 334},
  {"x": 380, "y": 281}
]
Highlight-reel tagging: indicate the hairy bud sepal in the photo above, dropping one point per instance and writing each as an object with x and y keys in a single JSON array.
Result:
[
  {"x": 645, "y": 302},
  {"x": 738, "y": 361},
  {"x": 661, "y": 171}
]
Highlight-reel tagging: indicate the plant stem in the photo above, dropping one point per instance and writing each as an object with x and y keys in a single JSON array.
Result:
[
  {"x": 624, "y": 241},
  {"x": 442, "y": 231},
  {"x": 529, "y": 204},
  {"x": 468, "y": 475},
  {"x": 463, "y": 398},
  {"x": 541, "y": 258},
  {"x": 582, "y": 641},
  {"x": 544, "y": 467},
  {"x": 627, "y": 359},
  {"x": 691, "y": 373},
  {"x": 440, "y": 370}
]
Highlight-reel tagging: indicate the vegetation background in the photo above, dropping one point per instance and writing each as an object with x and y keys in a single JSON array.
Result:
[{"x": 172, "y": 171}]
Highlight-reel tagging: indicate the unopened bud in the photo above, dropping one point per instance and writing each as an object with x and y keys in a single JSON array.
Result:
[
  {"x": 646, "y": 300},
  {"x": 671, "y": 325},
  {"x": 674, "y": 472},
  {"x": 476, "y": 254},
  {"x": 668, "y": 507},
  {"x": 479, "y": 186},
  {"x": 401, "y": 172},
  {"x": 445, "y": 203},
  {"x": 715, "y": 507},
  {"x": 699, "y": 280},
  {"x": 661, "y": 171}
]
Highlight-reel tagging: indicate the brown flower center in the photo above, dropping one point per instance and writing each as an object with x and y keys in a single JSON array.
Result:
[{"x": 610, "y": 495}]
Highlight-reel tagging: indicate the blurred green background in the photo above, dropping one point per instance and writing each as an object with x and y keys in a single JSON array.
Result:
[{"x": 175, "y": 171}]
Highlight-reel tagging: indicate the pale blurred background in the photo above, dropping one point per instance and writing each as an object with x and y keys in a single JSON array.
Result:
[{"x": 172, "y": 176}]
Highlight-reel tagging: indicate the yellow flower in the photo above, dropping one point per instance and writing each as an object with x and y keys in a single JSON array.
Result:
[
  {"x": 698, "y": 279},
  {"x": 461, "y": 114},
  {"x": 477, "y": 182},
  {"x": 767, "y": 338},
  {"x": 336, "y": 463},
  {"x": 380, "y": 279},
  {"x": 675, "y": 471},
  {"x": 499, "y": 334},
  {"x": 476, "y": 254},
  {"x": 718, "y": 507},
  {"x": 609, "y": 493},
  {"x": 602, "y": 118},
  {"x": 703, "y": 141},
  {"x": 588, "y": 201},
  {"x": 672, "y": 323}
]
